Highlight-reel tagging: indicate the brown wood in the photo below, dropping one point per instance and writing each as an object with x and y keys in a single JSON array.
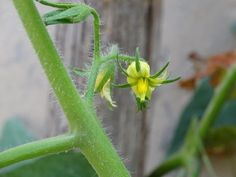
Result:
[{"x": 130, "y": 24}]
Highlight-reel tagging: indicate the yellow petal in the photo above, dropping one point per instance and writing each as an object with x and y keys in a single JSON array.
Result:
[
  {"x": 106, "y": 93},
  {"x": 149, "y": 92},
  {"x": 141, "y": 88},
  {"x": 131, "y": 80},
  {"x": 142, "y": 85},
  {"x": 144, "y": 70}
]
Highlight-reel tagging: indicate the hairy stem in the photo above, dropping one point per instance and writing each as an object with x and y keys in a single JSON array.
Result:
[
  {"x": 90, "y": 137},
  {"x": 96, "y": 27},
  {"x": 97, "y": 57},
  {"x": 91, "y": 82},
  {"x": 113, "y": 56},
  {"x": 36, "y": 149}
]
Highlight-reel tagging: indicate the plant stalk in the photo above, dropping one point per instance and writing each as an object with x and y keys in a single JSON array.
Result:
[
  {"x": 36, "y": 149},
  {"x": 220, "y": 95},
  {"x": 91, "y": 138},
  {"x": 170, "y": 164},
  {"x": 97, "y": 57}
]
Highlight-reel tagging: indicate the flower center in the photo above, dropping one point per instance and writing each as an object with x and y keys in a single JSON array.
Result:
[{"x": 142, "y": 85}]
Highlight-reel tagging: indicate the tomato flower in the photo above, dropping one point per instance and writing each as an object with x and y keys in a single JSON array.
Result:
[{"x": 141, "y": 82}]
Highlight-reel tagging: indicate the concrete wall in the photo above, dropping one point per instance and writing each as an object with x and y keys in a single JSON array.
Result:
[
  {"x": 24, "y": 89},
  {"x": 197, "y": 25}
]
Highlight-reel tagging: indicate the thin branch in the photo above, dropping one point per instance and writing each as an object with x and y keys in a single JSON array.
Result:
[
  {"x": 36, "y": 149},
  {"x": 218, "y": 100},
  {"x": 114, "y": 56},
  {"x": 172, "y": 163},
  {"x": 96, "y": 24},
  {"x": 97, "y": 57}
]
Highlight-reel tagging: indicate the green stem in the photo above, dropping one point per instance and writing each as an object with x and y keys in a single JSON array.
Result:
[
  {"x": 220, "y": 95},
  {"x": 96, "y": 24},
  {"x": 36, "y": 149},
  {"x": 113, "y": 56},
  {"x": 210, "y": 115},
  {"x": 91, "y": 82},
  {"x": 97, "y": 57},
  {"x": 170, "y": 164},
  {"x": 91, "y": 138}
]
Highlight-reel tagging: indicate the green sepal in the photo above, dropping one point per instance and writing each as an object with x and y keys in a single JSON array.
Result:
[
  {"x": 80, "y": 72},
  {"x": 74, "y": 14},
  {"x": 122, "y": 85},
  {"x": 52, "y": 13},
  {"x": 137, "y": 63},
  {"x": 161, "y": 71},
  {"x": 141, "y": 105},
  {"x": 53, "y": 22},
  {"x": 110, "y": 69},
  {"x": 63, "y": 5},
  {"x": 171, "y": 80},
  {"x": 121, "y": 68}
]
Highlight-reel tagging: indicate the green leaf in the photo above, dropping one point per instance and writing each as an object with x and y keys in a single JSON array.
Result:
[
  {"x": 228, "y": 115},
  {"x": 195, "y": 108},
  {"x": 72, "y": 164},
  {"x": 63, "y": 165},
  {"x": 14, "y": 133},
  {"x": 223, "y": 137}
]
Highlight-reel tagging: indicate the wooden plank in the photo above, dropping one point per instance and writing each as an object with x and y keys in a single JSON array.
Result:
[{"x": 130, "y": 24}]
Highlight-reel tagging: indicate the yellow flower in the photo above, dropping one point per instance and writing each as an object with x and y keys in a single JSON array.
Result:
[
  {"x": 141, "y": 82},
  {"x": 103, "y": 86}
]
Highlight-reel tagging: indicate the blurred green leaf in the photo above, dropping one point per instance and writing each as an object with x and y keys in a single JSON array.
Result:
[
  {"x": 14, "y": 133},
  {"x": 71, "y": 164},
  {"x": 63, "y": 165},
  {"x": 196, "y": 108},
  {"x": 223, "y": 138},
  {"x": 227, "y": 115}
]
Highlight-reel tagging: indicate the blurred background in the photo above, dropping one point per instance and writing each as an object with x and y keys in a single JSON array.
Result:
[{"x": 168, "y": 30}]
